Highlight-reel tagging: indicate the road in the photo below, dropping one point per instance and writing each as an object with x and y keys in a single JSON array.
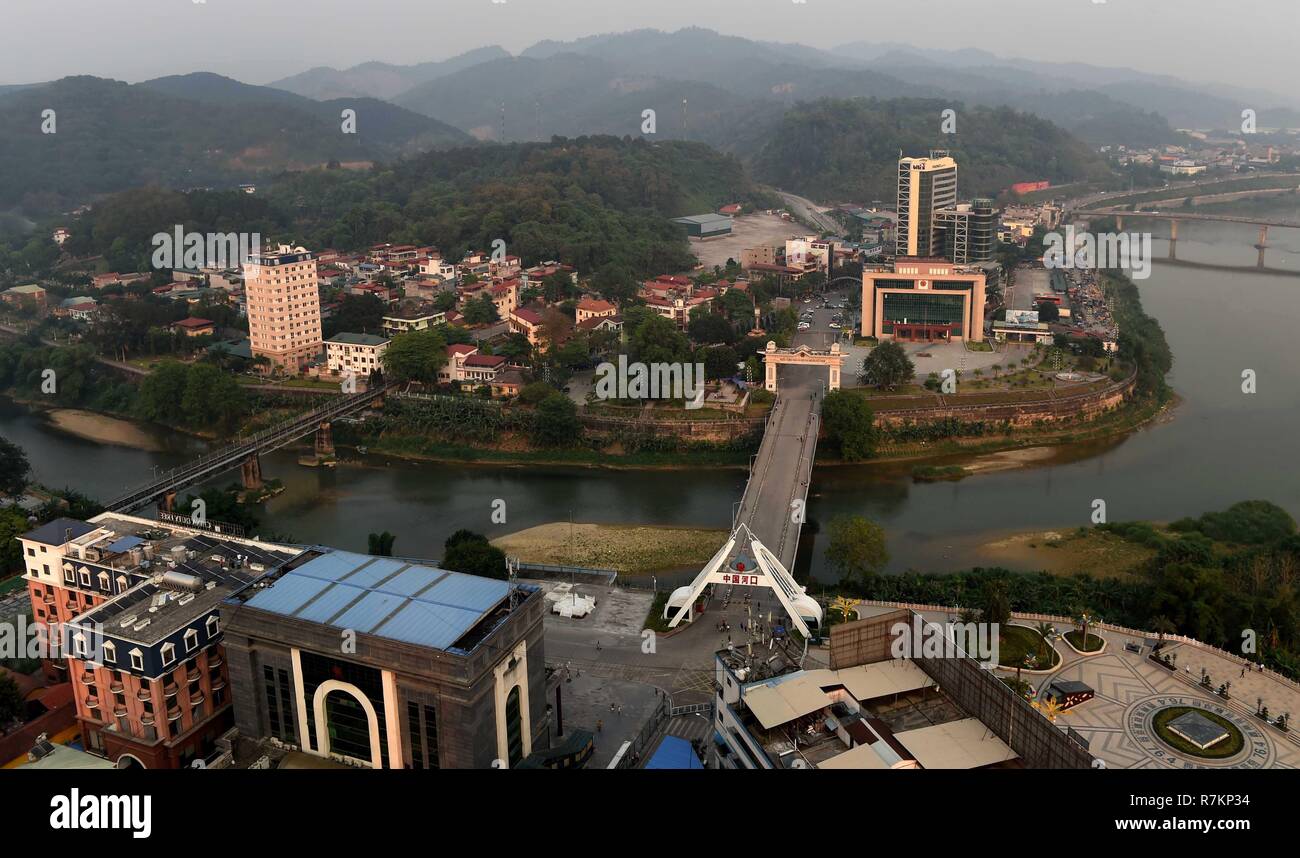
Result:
[{"x": 809, "y": 212}]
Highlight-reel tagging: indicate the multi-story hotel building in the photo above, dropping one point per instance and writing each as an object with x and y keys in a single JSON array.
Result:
[
  {"x": 173, "y": 635},
  {"x": 925, "y": 186},
  {"x": 141, "y": 633},
  {"x": 922, "y": 300},
  {"x": 283, "y": 302}
]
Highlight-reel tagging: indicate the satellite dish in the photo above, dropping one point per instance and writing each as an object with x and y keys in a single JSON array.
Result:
[{"x": 1099, "y": 764}]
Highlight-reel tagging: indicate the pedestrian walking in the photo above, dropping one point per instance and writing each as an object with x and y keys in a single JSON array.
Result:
[{"x": 599, "y": 724}]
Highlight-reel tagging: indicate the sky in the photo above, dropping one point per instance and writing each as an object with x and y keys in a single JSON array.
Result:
[{"x": 1245, "y": 43}]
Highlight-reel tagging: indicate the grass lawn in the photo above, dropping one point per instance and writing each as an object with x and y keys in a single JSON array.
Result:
[
  {"x": 1093, "y": 643},
  {"x": 1016, "y": 642},
  {"x": 1222, "y": 750},
  {"x": 655, "y": 618}
]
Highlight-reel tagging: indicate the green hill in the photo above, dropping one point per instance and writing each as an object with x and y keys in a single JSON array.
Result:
[
  {"x": 846, "y": 150},
  {"x": 593, "y": 202},
  {"x": 186, "y": 131}
]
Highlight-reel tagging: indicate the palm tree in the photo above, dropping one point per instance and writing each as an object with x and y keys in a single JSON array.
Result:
[
  {"x": 1162, "y": 625},
  {"x": 1050, "y": 709},
  {"x": 1083, "y": 617},
  {"x": 1045, "y": 631}
]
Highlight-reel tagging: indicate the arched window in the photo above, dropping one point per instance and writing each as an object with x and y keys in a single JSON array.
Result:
[{"x": 514, "y": 729}]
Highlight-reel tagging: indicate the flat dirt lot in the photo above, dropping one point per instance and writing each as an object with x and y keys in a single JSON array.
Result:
[{"x": 747, "y": 231}]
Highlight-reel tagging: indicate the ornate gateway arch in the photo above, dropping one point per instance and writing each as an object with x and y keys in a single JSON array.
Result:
[{"x": 774, "y": 357}]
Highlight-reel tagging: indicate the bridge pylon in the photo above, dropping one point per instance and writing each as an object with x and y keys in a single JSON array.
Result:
[
  {"x": 250, "y": 473},
  {"x": 324, "y": 439}
]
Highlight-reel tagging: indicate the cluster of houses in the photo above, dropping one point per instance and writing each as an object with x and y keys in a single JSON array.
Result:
[{"x": 1206, "y": 152}]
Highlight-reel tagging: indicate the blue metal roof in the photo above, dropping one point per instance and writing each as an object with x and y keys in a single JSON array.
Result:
[
  {"x": 674, "y": 752},
  {"x": 126, "y": 543},
  {"x": 383, "y": 596}
]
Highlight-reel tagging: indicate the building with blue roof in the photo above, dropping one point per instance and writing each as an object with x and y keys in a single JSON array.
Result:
[{"x": 388, "y": 663}]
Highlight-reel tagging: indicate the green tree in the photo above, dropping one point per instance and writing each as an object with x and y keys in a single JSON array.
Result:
[
  {"x": 710, "y": 328},
  {"x": 856, "y": 547},
  {"x": 997, "y": 604},
  {"x": 13, "y": 524},
  {"x": 657, "y": 340},
  {"x": 415, "y": 356},
  {"x": 481, "y": 311},
  {"x": 849, "y": 425},
  {"x": 14, "y": 467},
  {"x": 11, "y": 699},
  {"x": 471, "y": 553},
  {"x": 887, "y": 366},
  {"x": 555, "y": 422},
  {"x": 381, "y": 544}
]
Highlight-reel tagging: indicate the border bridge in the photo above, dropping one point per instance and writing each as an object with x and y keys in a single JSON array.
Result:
[{"x": 245, "y": 450}]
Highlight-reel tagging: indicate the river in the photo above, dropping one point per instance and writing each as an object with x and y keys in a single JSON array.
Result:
[{"x": 1219, "y": 446}]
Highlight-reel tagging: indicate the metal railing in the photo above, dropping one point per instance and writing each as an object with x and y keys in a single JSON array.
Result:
[{"x": 241, "y": 448}]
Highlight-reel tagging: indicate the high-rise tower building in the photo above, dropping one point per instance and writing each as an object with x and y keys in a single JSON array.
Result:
[
  {"x": 283, "y": 307},
  {"x": 925, "y": 186}
]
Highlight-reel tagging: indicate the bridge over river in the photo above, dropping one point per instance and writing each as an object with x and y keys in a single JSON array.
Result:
[{"x": 769, "y": 516}]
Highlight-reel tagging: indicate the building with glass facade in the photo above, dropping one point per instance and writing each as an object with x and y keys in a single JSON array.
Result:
[
  {"x": 923, "y": 300},
  {"x": 925, "y": 186}
]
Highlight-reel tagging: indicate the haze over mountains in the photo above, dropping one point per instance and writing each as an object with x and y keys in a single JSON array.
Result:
[{"x": 732, "y": 93}]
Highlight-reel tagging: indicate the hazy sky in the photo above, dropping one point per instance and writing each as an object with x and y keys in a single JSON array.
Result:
[{"x": 1246, "y": 42}]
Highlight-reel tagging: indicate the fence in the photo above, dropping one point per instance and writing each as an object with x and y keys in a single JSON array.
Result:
[
  {"x": 547, "y": 572},
  {"x": 631, "y": 755}
]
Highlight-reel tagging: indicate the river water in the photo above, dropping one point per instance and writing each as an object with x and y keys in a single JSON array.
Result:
[{"x": 1220, "y": 446}]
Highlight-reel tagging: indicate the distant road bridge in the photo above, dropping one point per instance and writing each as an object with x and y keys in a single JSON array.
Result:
[
  {"x": 1175, "y": 217},
  {"x": 245, "y": 450}
]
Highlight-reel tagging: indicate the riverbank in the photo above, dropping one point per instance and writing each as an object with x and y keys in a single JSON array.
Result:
[
  {"x": 1068, "y": 552},
  {"x": 102, "y": 429},
  {"x": 629, "y": 549}
]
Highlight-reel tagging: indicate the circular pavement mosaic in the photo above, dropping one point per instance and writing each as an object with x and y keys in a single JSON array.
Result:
[{"x": 1256, "y": 753}]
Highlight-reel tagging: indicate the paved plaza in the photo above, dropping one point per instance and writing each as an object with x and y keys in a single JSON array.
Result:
[{"x": 1130, "y": 689}]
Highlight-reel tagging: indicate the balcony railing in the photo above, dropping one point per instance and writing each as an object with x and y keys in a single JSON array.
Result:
[
  {"x": 147, "y": 719},
  {"x": 92, "y": 701},
  {"x": 170, "y": 689},
  {"x": 87, "y": 677},
  {"x": 173, "y": 714},
  {"x": 143, "y": 693}
]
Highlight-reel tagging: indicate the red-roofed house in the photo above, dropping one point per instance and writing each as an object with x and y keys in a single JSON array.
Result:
[
  {"x": 527, "y": 321},
  {"x": 195, "y": 327},
  {"x": 589, "y": 308}
]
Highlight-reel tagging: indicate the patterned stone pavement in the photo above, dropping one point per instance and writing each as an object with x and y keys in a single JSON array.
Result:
[{"x": 1130, "y": 689}]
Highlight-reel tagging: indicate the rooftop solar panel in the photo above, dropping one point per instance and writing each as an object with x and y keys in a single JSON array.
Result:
[
  {"x": 384, "y": 596},
  {"x": 288, "y": 595},
  {"x": 419, "y": 624}
]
